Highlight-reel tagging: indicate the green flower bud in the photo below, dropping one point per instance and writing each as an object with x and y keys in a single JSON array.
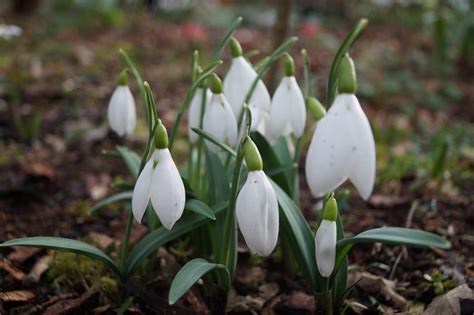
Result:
[
  {"x": 252, "y": 156},
  {"x": 289, "y": 65},
  {"x": 347, "y": 76},
  {"x": 161, "y": 136},
  {"x": 215, "y": 84},
  {"x": 330, "y": 209},
  {"x": 235, "y": 48},
  {"x": 123, "y": 77},
  {"x": 315, "y": 107}
]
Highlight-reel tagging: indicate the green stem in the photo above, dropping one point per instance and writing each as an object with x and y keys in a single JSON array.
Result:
[
  {"x": 126, "y": 239},
  {"x": 298, "y": 146},
  {"x": 323, "y": 301}
]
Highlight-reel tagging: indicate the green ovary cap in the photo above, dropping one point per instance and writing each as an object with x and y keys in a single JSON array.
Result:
[
  {"x": 330, "y": 209},
  {"x": 252, "y": 156},
  {"x": 123, "y": 77},
  {"x": 347, "y": 76},
  {"x": 161, "y": 136},
  {"x": 235, "y": 48},
  {"x": 216, "y": 84},
  {"x": 315, "y": 107},
  {"x": 289, "y": 65}
]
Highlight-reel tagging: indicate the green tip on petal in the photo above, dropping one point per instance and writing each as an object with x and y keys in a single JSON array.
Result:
[
  {"x": 215, "y": 84},
  {"x": 235, "y": 48},
  {"x": 330, "y": 209},
  {"x": 289, "y": 65},
  {"x": 347, "y": 76},
  {"x": 252, "y": 156},
  {"x": 161, "y": 136},
  {"x": 315, "y": 107},
  {"x": 123, "y": 77}
]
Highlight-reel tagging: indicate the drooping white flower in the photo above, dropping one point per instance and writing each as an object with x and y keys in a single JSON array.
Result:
[
  {"x": 257, "y": 207},
  {"x": 288, "y": 110},
  {"x": 121, "y": 112},
  {"x": 195, "y": 112},
  {"x": 237, "y": 83},
  {"x": 160, "y": 183},
  {"x": 219, "y": 119},
  {"x": 342, "y": 148},
  {"x": 326, "y": 238}
]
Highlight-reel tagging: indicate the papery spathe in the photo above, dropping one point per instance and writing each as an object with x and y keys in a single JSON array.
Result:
[
  {"x": 162, "y": 184},
  {"x": 121, "y": 111},
  {"x": 219, "y": 121},
  {"x": 288, "y": 110},
  {"x": 342, "y": 147},
  {"x": 257, "y": 213}
]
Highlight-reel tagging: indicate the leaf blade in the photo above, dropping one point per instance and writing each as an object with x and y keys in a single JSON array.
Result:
[
  {"x": 126, "y": 195},
  {"x": 190, "y": 273},
  {"x": 199, "y": 207}
]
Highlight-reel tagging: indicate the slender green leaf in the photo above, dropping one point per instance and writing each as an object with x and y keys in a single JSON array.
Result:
[
  {"x": 161, "y": 236},
  {"x": 131, "y": 159},
  {"x": 272, "y": 162},
  {"x": 200, "y": 207},
  {"x": 281, "y": 169},
  {"x": 346, "y": 44},
  {"x": 299, "y": 235},
  {"x": 190, "y": 274},
  {"x": 220, "y": 47},
  {"x": 206, "y": 135},
  {"x": 397, "y": 236},
  {"x": 340, "y": 275},
  {"x": 64, "y": 244},
  {"x": 127, "y": 195}
]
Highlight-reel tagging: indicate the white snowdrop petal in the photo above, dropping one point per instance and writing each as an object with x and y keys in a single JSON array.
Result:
[
  {"x": 298, "y": 107},
  {"x": 257, "y": 214},
  {"x": 167, "y": 193},
  {"x": 114, "y": 111},
  {"x": 131, "y": 112},
  {"x": 195, "y": 112},
  {"x": 325, "y": 247},
  {"x": 219, "y": 120},
  {"x": 121, "y": 111},
  {"x": 141, "y": 192},
  {"x": 362, "y": 174},
  {"x": 237, "y": 83},
  {"x": 330, "y": 155}
]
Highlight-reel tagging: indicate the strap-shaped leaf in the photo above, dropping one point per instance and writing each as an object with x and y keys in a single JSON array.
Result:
[
  {"x": 346, "y": 44},
  {"x": 299, "y": 234},
  {"x": 206, "y": 135},
  {"x": 64, "y": 244},
  {"x": 397, "y": 236},
  {"x": 161, "y": 236},
  {"x": 200, "y": 207},
  {"x": 131, "y": 159},
  {"x": 127, "y": 195},
  {"x": 191, "y": 273}
]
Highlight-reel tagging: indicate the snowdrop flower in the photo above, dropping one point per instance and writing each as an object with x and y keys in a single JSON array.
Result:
[
  {"x": 237, "y": 83},
  {"x": 219, "y": 119},
  {"x": 288, "y": 110},
  {"x": 121, "y": 113},
  {"x": 194, "y": 117},
  {"x": 161, "y": 183},
  {"x": 257, "y": 206},
  {"x": 343, "y": 144},
  {"x": 9, "y": 31},
  {"x": 325, "y": 240}
]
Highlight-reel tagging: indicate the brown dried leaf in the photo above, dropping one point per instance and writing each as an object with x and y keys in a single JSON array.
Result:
[
  {"x": 12, "y": 270},
  {"x": 376, "y": 285},
  {"x": 16, "y": 296},
  {"x": 22, "y": 254},
  {"x": 449, "y": 303}
]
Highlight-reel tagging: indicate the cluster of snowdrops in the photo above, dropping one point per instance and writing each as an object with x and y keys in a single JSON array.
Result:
[{"x": 242, "y": 174}]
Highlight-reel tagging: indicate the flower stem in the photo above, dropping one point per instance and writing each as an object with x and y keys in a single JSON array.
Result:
[
  {"x": 124, "y": 249},
  {"x": 323, "y": 301}
]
